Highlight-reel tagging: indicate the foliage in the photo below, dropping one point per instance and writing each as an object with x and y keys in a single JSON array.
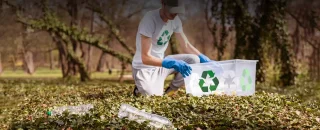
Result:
[
  {"x": 218, "y": 13},
  {"x": 51, "y": 23},
  {"x": 25, "y": 102},
  {"x": 304, "y": 90},
  {"x": 263, "y": 36}
]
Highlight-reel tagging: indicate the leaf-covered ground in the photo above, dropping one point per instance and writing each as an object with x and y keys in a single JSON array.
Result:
[{"x": 23, "y": 104}]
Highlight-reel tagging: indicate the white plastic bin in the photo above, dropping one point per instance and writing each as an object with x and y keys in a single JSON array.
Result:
[{"x": 230, "y": 77}]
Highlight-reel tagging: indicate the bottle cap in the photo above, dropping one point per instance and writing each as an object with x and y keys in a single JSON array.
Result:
[{"x": 49, "y": 113}]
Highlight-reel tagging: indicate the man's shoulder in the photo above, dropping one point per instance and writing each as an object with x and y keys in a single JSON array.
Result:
[
  {"x": 151, "y": 13},
  {"x": 177, "y": 19}
]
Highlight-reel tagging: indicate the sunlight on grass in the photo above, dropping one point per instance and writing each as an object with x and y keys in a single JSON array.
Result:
[
  {"x": 56, "y": 73},
  {"x": 24, "y": 103}
]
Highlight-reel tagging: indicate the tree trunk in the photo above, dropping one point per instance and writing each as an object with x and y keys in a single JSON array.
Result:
[
  {"x": 224, "y": 32},
  {"x": 13, "y": 61},
  {"x": 1, "y": 6},
  {"x": 123, "y": 67},
  {"x": 103, "y": 58},
  {"x": 258, "y": 44},
  {"x": 74, "y": 10},
  {"x": 102, "y": 62},
  {"x": 27, "y": 56},
  {"x": 51, "y": 59},
  {"x": 1, "y": 69},
  {"x": 63, "y": 59},
  {"x": 28, "y": 62},
  {"x": 73, "y": 58},
  {"x": 318, "y": 62},
  {"x": 311, "y": 66},
  {"x": 288, "y": 68},
  {"x": 203, "y": 40},
  {"x": 242, "y": 27},
  {"x": 296, "y": 41},
  {"x": 174, "y": 45},
  {"x": 72, "y": 66},
  {"x": 89, "y": 58},
  {"x": 109, "y": 68},
  {"x": 84, "y": 75},
  {"x": 89, "y": 46}
]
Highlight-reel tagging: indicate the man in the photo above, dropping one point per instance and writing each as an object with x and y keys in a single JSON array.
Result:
[{"x": 150, "y": 68}]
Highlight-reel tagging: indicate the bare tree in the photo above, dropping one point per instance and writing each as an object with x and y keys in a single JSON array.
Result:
[
  {"x": 306, "y": 17},
  {"x": 216, "y": 19},
  {"x": 51, "y": 59},
  {"x": 89, "y": 47},
  {"x": 103, "y": 58},
  {"x": 102, "y": 62},
  {"x": 1, "y": 6},
  {"x": 28, "y": 63},
  {"x": 63, "y": 60},
  {"x": 110, "y": 18},
  {"x": 1, "y": 69},
  {"x": 1, "y": 9},
  {"x": 174, "y": 45}
]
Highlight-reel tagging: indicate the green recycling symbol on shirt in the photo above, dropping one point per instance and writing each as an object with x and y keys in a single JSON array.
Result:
[
  {"x": 207, "y": 77},
  {"x": 164, "y": 38}
]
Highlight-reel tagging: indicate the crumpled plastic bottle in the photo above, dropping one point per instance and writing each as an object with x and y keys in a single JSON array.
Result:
[
  {"x": 78, "y": 110},
  {"x": 134, "y": 114}
]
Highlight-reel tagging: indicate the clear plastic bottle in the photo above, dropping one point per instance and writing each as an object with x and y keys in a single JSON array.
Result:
[
  {"x": 78, "y": 110},
  {"x": 139, "y": 116}
]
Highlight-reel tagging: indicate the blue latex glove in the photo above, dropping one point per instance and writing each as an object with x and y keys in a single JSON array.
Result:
[
  {"x": 178, "y": 65},
  {"x": 203, "y": 58}
]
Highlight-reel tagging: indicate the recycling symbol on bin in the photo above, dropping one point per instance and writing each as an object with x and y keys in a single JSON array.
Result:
[
  {"x": 229, "y": 79},
  {"x": 246, "y": 80},
  {"x": 208, "y": 81}
]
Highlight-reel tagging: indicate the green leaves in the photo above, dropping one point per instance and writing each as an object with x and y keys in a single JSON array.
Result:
[{"x": 31, "y": 99}]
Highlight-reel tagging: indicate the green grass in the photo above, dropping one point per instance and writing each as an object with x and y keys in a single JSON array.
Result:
[
  {"x": 307, "y": 91},
  {"x": 45, "y": 73},
  {"x": 24, "y": 103},
  {"x": 55, "y": 73}
]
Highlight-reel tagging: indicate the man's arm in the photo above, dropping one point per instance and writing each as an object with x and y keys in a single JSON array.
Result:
[
  {"x": 147, "y": 58},
  {"x": 188, "y": 48},
  {"x": 168, "y": 63},
  {"x": 185, "y": 45}
]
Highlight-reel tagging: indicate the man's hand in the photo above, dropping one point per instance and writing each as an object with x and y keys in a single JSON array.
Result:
[
  {"x": 203, "y": 58},
  {"x": 178, "y": 65}
]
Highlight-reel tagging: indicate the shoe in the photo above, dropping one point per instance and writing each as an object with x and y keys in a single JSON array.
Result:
[
  {"x": 135, "y": 91},
  {"x": 170, "y": 91}
]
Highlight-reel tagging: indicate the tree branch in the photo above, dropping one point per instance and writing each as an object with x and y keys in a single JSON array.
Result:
[
  {"x": 311, "y": 43},
  {"x": 207, "y": 18},
  {"x": 51, "y": 24},
  {"x": 113, "y": 29},
  {"x": 300, "y": 23},
  {"x": 76, "y": 59},
  {"x": 14, "y": 7}
]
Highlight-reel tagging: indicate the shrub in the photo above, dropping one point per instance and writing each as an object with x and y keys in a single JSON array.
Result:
[{"x": 31, "y": 99}]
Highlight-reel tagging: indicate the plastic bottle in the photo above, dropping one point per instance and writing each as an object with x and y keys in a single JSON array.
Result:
[
  {"x": 78, "y": 110},
  {"x": 139, "y": 116}
]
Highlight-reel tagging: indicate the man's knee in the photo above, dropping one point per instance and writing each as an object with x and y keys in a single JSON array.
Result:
[
  {"x": 189, "y": 58},
  {"x": 192, "y": 59}
]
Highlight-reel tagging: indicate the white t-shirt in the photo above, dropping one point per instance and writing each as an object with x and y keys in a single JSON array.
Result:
[{"x": 154, "y": 27}]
